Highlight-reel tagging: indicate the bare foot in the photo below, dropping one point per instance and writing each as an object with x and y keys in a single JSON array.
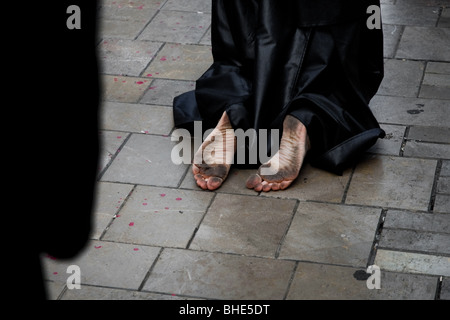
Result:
[
  {"x": 213, "y": 160},
  {"x": 283, "y": 168}
]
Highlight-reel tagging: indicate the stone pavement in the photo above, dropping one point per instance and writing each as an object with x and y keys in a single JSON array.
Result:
[{"x": 158, "y": 236}]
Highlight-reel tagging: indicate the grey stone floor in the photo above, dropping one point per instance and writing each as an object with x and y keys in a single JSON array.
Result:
[{"x": 158, "y": 236}]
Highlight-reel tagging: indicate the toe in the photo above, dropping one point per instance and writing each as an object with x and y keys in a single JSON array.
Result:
[
  {"x": 275, "y": 186},
  {"x": 253, "y": 181},
  {"x": 201, "y": 182},
  {"x": 214, "y": 183},
  {"x": 267, "y": 187},
  {"x": 258, "y": 187}
]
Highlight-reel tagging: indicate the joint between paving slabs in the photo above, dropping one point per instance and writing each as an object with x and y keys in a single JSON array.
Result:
[
  {"x": 377, "y": 237},
  {"x": 435, "y": 184}
]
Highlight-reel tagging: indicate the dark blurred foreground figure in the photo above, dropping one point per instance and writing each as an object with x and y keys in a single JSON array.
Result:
[
  {"x": 307, "y": 68},
  {"x": 55, "y": 112}
]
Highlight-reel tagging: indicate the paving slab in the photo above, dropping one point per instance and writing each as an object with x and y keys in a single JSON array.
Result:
[
  {"x": 106, "y": 264},
  {"x": 444, "y": 20},
  {"x": 424, "y": 43},
  {"x": 137, "y": 118},
  {"x": 427, "y": 150},
  {"x": 139, "y": 163},
  {"x": 206, "y": 39},
  {"x": 329, "y": 233},
  {"x": 54, "y": 289},
  {"x": 391, "y": 38},
  {"x": 430, "y": 134},
  {"x": 109, "y": 198},
  {"x": 110, "y": 142},
  {"x": 411, "y": 111},
  {"x": 327, "y": 282},
  {"x": 411, "y": 262},
  {"x": 442, "y": 203},
  {"x": 406, "y": 14},
  {"x": 219, "y": 276},
  {"x": 425, "y": 3},
  {"x": 445, "y": 169},
  {"x": 417, "y": 241},
  {"x": 162, "y": 91},
  {"x": 121, "y": 29},
  {"x": 436, "y": 81},
  {"x": 315, "y": 184},
  {"x": 181, "y": 62},
  {"x": 125, "y": 19},
  {"x": 391, "y": 144},
  {"x": 445, "y": 289},
  {"x": 159, "y": 217},
  {"x": 126, "y": 57},
  {"x": 393, "y": 182},
  {"x": 99, "y": 293},
  {"x": 188, "y": 5},
  {"x": 244, "y": 225},
  {"x": 128, "y": 10},
  {"x": 396, "y": 219},
  {"x": 123, "y": 89},
  {"x": 438, "y": 67},
  {"x": 443, "y": 185},
  {"x": 401, "y": 78},
  {"x": 177, "y": 27}
]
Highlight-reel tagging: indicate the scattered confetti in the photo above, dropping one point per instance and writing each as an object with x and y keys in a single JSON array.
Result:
[
  {"x": 178, "y": 199},
  {"x": 162, "y": 194},
  {"x": 131, "y": 224},
  {"x": 97, "y": 247}
]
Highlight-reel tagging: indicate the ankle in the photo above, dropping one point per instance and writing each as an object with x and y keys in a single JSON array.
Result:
[{"x": 224, "y": 122}]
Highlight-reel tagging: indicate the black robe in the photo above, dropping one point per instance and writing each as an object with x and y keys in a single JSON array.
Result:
[{"x": 316, "y": 60}]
